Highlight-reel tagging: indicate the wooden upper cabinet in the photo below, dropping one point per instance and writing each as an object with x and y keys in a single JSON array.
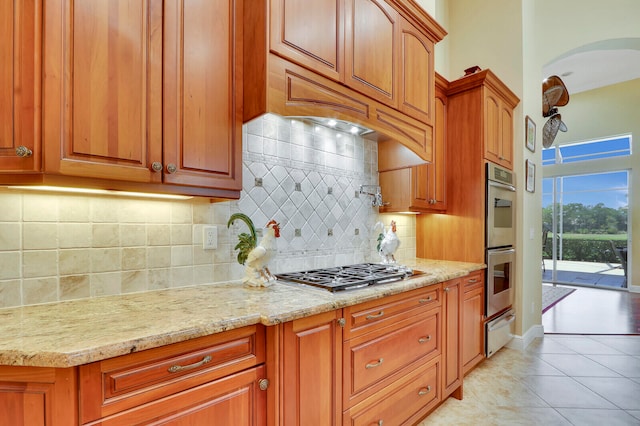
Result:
[
  {"x": 417, "y": 75},
  {"x": 103, "y": 88},
  {"x": 420, "y": 188},
  {"x": 20, "y": 55},
  {"x": 317, "y": 44},
  {"x": 145, "y": 91},
  {"x": 498, "y": 129},
  {"x": 203, "y": 93},
  {"x": 372, "y": 38}
]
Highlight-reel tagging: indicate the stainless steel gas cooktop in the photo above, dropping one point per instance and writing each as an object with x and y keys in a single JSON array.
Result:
[{"x": 351, "y": 276}]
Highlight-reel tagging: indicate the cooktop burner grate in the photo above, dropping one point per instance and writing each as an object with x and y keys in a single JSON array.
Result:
[{"x": 350, "y": 276}]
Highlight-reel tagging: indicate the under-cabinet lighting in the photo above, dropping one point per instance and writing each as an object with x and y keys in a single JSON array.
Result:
[
  {"x": 91, "y": 191},
  {"x": 416, "y": 213}
]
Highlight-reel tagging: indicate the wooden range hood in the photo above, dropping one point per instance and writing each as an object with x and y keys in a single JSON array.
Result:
[{"x": 367, "y": 62}]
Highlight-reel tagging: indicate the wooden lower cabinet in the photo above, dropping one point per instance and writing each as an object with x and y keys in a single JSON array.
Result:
[
  {"x": 311, "y": 377},
  {"x": 472, "y": 321},
  {"x": 451, "y": 337},
  {"x": 405, "y": 401},
  {"x": 33, "y": 396},
  {"x": 235, "y": 400}
]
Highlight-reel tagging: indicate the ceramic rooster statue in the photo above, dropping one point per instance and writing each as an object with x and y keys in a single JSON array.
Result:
[
  {"x": 256, "y": 256},
  {"x": 388, "y": 243}
]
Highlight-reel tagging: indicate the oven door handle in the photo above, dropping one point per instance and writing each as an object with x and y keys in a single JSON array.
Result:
[
  {"x": 502, "y": 185},
  {"x": 503, "y": 322}
]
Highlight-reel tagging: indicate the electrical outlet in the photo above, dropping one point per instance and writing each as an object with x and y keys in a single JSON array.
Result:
[{"x": 209, "y": 237}]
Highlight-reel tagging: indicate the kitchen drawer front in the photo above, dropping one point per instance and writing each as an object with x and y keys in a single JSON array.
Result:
[
  {"x": 376, "y": 359},
  {"x": 365, "y": 317},
  {"x": 116, "y": 384},
  {"x": 473, "y": 281},
  {"x": 404, "y": 402}
]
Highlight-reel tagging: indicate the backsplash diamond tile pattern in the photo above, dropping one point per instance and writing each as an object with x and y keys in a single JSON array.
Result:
[{"x": 62, "y": 247}]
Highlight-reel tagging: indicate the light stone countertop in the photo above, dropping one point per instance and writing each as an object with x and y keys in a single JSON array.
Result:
[{"x": 72, "y": 333}]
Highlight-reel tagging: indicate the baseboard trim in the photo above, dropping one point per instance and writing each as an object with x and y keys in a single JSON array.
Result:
[{"x": 522, "y": 342}]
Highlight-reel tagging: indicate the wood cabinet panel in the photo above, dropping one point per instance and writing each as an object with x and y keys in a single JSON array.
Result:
[
  {"x": 417, "y": 79},
  {"x": 309, "y": 33},
  {"x": 117, "y": 384},
  {"x": 20, "y": 80},
  {"x": 369, "y": 316},
  {"x": 371, "y": 40},
  {"x": 404, "y": 402},
  {"x": 373, "y": 361},
  {"x": 103, "y": 88},
  {"x": 473, "y": 322},
  {"x": 32, "y": 396},
  {"x": 451, "y": 337},
  {"x": 203, "y": 93},
  {"x": 420, "y": 188},
  {"x": 235, "y": 400},
  {"x": 311, "y": 362}
]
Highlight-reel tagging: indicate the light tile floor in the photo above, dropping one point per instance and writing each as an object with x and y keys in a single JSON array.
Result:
[{"x": 559, "y": 380}]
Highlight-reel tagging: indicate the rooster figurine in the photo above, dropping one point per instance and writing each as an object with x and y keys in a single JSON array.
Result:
[
  {"x": 388, "y": 243},
  {"x": 256, "y": 256}
]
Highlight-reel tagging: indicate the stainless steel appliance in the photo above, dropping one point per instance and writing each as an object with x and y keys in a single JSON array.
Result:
[
  {"x": 500, "y": 274},
  {"x": 351, "y": 276},
  {"x": 500, "y": 257},
  {"x": 501, "y": 202},
  {"x": 499, "y": 331}
]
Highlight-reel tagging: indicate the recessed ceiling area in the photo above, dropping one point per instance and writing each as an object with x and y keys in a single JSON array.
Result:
[{"x": 597, "y": 64}]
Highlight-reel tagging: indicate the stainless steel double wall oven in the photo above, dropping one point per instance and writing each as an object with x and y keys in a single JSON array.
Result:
[{"x": 500, "y": 256}]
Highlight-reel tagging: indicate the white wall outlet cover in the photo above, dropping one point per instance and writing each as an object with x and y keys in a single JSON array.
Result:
[{"x": 209, "y": 237}]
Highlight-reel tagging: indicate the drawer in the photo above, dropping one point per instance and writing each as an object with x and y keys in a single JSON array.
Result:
[
  {"x": 375, "y": 359},
  {"x": 473, "y": 281},
  {"x": 404, "y": 402},
  {"x": 366, "y": 316},
  {"x": 116, "y": 384}
]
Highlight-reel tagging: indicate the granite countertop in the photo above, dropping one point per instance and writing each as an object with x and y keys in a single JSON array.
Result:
[{"x": 72, "y": 333}]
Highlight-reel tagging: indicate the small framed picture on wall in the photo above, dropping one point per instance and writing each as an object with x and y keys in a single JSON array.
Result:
[
  {"x": 530, "y": 133},
  {"x": 531, "y": 176}
]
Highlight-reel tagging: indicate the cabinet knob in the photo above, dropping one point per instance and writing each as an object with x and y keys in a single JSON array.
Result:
[
  {"x": 447, "y": 289},
  {"x": 171, "y": 168},
  {"x": 23, "y": 151},
  {"x": 156, "y": 166},
  {"x": 263, "y": 384},
  {"x": 342, "y": 322}
]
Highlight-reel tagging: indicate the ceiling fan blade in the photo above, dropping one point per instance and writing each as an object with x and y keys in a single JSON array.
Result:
[
  {"x": 550, "y": 130},
  {"x": 554, "y": 93}
]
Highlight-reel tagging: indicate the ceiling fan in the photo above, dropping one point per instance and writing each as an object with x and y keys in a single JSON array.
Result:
[{"x": 554, "y": 95}]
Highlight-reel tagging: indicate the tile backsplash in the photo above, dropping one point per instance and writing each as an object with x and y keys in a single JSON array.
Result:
[{"x": 62, "y": 247}]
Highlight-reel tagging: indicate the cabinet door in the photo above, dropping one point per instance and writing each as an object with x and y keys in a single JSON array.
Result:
[
  {"x": 203, "y": 93},
  {"x": 416, "y": 73},
  {"x": 498, "y": 130},
  {"x": 310, "y": 33},
  {"x": 103, "y": 88},
  {"x": 20, "y": 55},
  {"x": 232, "y": 401},
  {"x": 506, "y": 136},
  {"x": 492, "y": 131},
  {"x": 472, "y": 323},
  {"x": 371, "y": 53},
  {"x": 452, "y": 305},
  {"x": 312, "y": 371},
  {"x": 31, "y": 396}
]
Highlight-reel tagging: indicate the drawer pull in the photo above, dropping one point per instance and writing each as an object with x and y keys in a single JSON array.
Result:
[
  {"x": 178, "y": 368},
  {"x": 380, "y": 422},
  {"x": 424, "y": 339},
  {"x": 427, "y": 300},
  {"x": 424, "y": 391},
  {"x": 374, "y": 316},
  {"x": 473, "y": 281},
  {"x": 374, "y": 364}
]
